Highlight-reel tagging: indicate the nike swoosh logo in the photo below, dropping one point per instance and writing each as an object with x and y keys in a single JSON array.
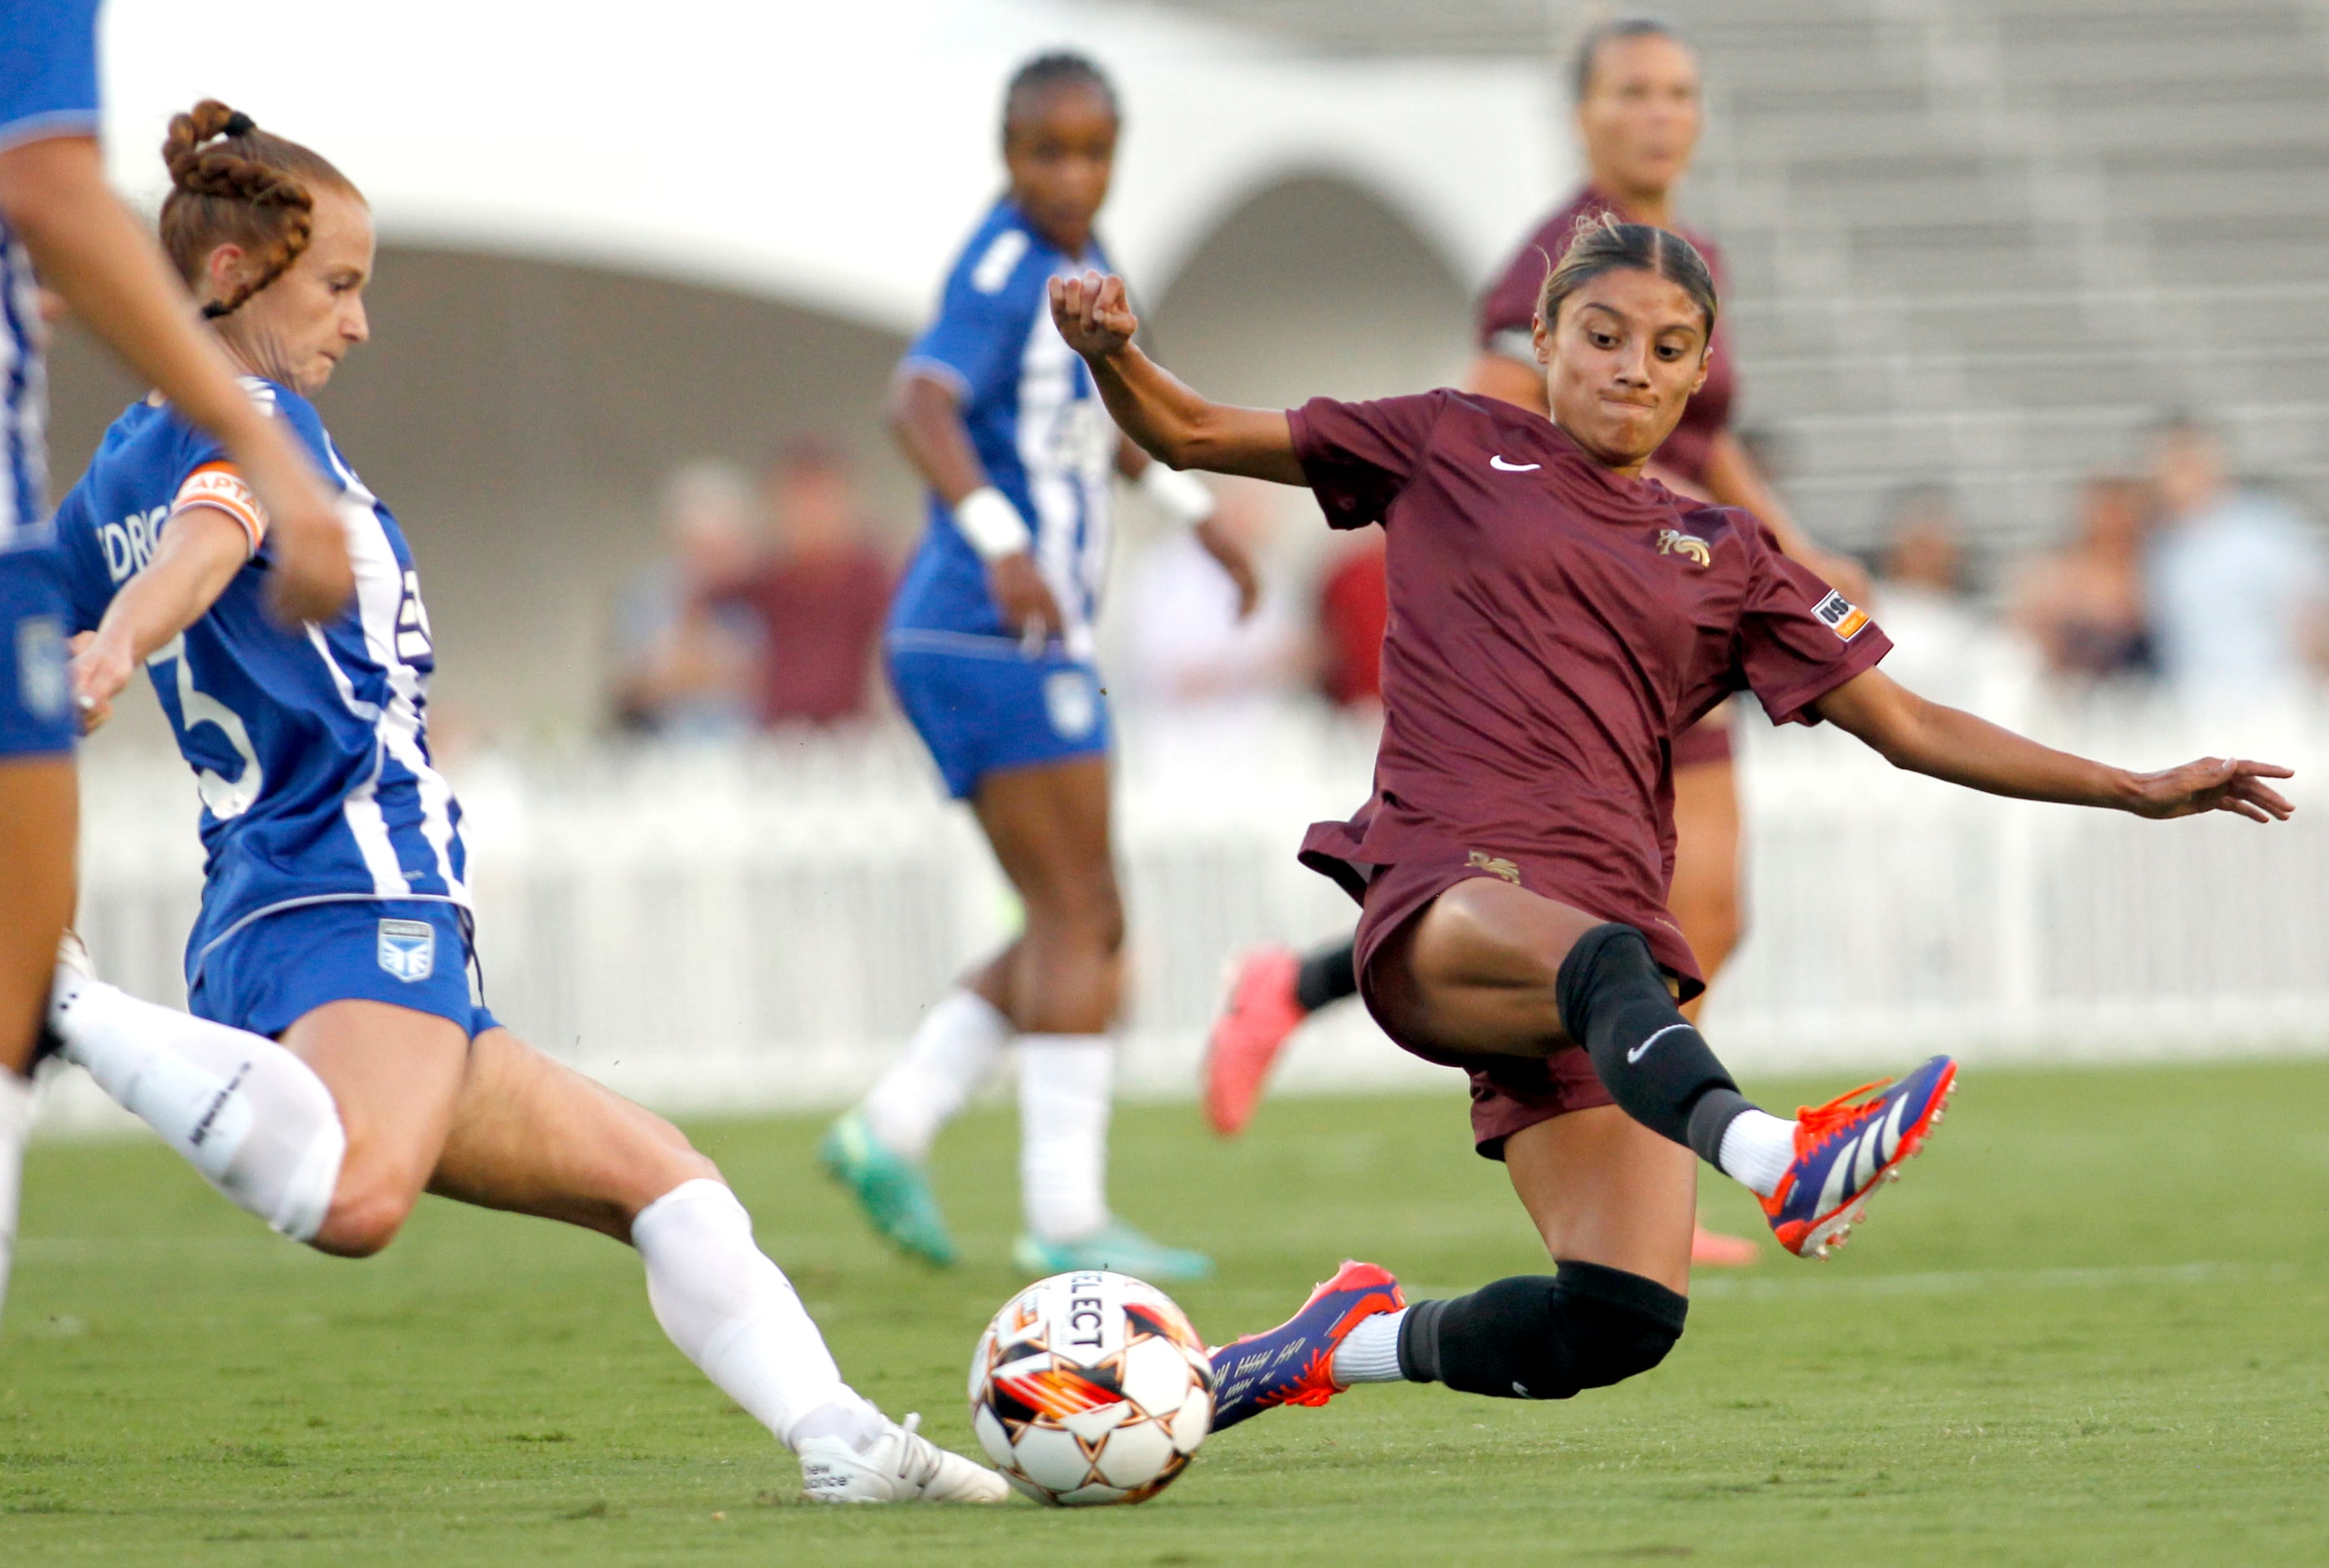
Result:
[
  {"x": 1638, "y": 1052},
  {"x": 1501, "y": 467}
]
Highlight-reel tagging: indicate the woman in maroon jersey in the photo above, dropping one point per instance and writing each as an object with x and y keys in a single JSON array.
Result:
[
  {"x": 1557, "y": 618},
  {"x": 1636, "y": 91}
]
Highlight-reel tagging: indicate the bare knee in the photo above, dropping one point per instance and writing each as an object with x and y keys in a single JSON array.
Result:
[{"x": 367, "y": 1212}]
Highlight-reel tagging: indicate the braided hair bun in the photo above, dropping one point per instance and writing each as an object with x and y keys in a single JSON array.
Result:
[{"x": 233, "y": 183}]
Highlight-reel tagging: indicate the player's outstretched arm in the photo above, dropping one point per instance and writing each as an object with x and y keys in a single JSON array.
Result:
[
  {"x": 90, "y": 250},
  {"x": 1922, "y": 736},
  {"x": 1172, "y": 423},
  {"x": 199, "y": 552}
]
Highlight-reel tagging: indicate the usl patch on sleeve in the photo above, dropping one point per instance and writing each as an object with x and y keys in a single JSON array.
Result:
[{"x": 1841, "y": 616}]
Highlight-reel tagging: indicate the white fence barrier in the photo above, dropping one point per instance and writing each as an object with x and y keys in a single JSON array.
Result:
[{"x": 742, "y": 930}]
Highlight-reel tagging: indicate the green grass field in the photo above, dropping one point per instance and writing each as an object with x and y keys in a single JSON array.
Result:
[{"x": 2089, "y": 1327}]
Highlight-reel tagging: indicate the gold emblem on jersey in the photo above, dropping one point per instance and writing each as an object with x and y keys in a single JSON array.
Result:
[
  {"x": 1495, "y": 866},
  {"x": 1673, "y": 542}
]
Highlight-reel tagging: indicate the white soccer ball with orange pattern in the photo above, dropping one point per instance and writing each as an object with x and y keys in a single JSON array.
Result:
[{"x": 1090, "y": 1387}]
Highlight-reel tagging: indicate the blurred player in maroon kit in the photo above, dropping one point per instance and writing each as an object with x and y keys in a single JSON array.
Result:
[
  {"x": 1557, "y": 618},
  {"x": 1636, "y": 91}
]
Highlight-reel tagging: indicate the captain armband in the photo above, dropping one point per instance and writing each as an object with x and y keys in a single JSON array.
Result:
[
  {"x": 1182, "y": 497},
  {"x": 219, "y": 486},
  {"x": 991, "y": 524}
]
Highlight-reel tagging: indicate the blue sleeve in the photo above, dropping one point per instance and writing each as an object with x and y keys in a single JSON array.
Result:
[
  {"x": 980, "y": 335},
  {"x": 80, "y": 561},
  {"x": 48, "y": 69}
]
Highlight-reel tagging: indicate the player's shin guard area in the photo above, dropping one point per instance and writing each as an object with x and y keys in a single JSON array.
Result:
[
  {"x": 1614, "y": 1002},
  {"x": 1535, "y": 1336}
]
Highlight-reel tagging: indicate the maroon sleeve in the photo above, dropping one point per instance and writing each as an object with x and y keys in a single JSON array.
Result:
[
  {"x": 1357, "y": 456},
  {"x": 1797, "y": 638}
]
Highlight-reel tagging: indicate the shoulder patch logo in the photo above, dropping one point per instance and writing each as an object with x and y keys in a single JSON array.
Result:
[
  {"x": 1673, "y": 542},
  {"x": 1495, "y": 866},
  {"x": 408, "y": 949},
  {"x": 1002, "y": 259},
  {"x": 1841, "y": 616}
]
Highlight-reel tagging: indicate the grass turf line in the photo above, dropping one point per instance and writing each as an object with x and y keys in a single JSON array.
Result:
[{"x": 2085, "y": 1329}]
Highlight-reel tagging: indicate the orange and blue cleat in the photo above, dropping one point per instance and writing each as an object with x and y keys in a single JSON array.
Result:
[
  {"x": 1294, "y": 1363},
  {"x": 1261, "y": 1010},
  {"x": 1847, "y": 1146}
]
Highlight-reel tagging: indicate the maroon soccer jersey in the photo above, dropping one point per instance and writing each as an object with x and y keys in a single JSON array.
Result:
[
  {"x": 1552, "y": 626},
  {"x": 1510, "y": 307}
]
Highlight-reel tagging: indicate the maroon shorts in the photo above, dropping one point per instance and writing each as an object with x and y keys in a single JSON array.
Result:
[
  {"x": 1508, "y": 1092},
  {"x": 1707, "y": 741}
]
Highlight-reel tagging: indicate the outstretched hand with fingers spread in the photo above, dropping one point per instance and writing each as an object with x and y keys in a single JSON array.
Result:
[
  {"x": 2213, "y": 784},
  {"x": 1093, "y": 314}
]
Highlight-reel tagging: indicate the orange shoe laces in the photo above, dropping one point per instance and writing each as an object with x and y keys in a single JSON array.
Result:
[{"x": 1816, "y": 1122}]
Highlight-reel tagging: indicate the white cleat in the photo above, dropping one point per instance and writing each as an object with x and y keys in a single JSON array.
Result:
[{"x": 900, "y": 1466}]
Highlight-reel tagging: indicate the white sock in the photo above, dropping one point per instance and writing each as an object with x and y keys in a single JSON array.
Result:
[
  {"x": 1757, "y": 1150},
  {"x": 250, "y": 1116},
  {"x": 15, "y": 1125},
  {"x": 953, "y": 1052},
  {"x": 1369, "y": 1353},
  {"x": 734, "y": 1314},
  {"x": 1064, "y": 1103}
]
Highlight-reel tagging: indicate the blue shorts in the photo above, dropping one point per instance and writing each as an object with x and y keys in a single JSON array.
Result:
[
  {"x": 36, "y": 710},
  {"x": 281, "y": 967},
  {"x": 982, "y": 706}
]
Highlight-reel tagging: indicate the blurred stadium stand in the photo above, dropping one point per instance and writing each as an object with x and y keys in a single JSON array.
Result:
[{"x": 1984, "y": 241}]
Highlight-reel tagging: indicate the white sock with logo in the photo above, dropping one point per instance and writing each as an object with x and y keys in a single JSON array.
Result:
[
  {"x": 1757, "y": 1150},
  {"x": 15, "y": 1126},
  {"x": 733, "y": 1312},
  {"x": 250, "y": 1116},
  {"x": 1064, "y": 1081},
  {"x": 951, "y": 1054},
  {"x": 1369, "y": 1353}
]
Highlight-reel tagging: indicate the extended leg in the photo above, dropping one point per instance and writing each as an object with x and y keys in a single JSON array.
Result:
[{"x": 532, "y": 1136}]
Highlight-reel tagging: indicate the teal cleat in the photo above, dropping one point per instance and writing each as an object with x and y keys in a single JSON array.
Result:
[
  {"x": 1115, "y": 1246},
  {"x": 889, "y": 1188}
]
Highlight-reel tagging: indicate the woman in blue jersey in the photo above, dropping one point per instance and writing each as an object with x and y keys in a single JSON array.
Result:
[
  {"x": 59, "y": 217},
  {"x": 334, "y": 914},
  {"x": 990, "y": 647}
]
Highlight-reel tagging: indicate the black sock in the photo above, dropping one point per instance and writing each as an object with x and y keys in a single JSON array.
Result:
[
  {"x": 1538, "y": 1337},
  {"x": 1328, "y": 976},
  {"x": 1615, "y": 1003}
]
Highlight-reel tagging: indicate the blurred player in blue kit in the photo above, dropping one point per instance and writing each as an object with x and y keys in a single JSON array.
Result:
[
  {"x": 59, "y": 220},
  {"x": 342, "y": 1059},
  {"x": 990, "y": 648}
]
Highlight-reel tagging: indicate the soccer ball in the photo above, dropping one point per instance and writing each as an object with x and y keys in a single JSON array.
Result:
[{"x": 1091, "y": 1388}]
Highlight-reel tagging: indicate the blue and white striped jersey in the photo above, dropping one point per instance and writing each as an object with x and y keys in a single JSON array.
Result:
[
  {"x": 1039, "y": 429},
  {"x": 48, "y": 88},
  {"x": 309, "y": 747}
]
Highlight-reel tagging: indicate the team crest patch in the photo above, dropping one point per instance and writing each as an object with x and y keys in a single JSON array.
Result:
[
  {"x": 1841, "y": 616},
  {"x": 1673, "y": 542},
  {"x": 1069, "y": 700},
  {"x": 1495, "y": 866},
  {"x": 408, "y": 949}
]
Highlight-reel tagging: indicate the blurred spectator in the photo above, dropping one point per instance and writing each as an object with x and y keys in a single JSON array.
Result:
[
  {"x": 1942, "y": 645},
  {"x": 1186, "y": 647},
  {"x": 2237, "y": 582},
  {"x": 2083, "y": 606},
  {"x": 1353, "y": 611},
  {"x": 684, "y": 666},
  {"x": 819, "y": 597}
]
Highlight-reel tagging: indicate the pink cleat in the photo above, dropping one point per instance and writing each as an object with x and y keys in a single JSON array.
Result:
[{"x": 1261, "y": 1012}]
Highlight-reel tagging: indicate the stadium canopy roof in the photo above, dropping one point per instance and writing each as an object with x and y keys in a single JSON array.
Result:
[{"x": 831, "y": 154}]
